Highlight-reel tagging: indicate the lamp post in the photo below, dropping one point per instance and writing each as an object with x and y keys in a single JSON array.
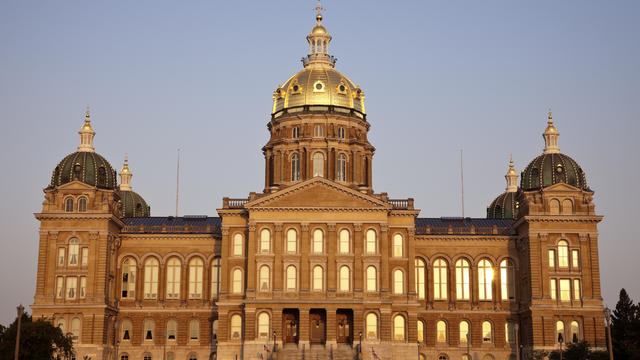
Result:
[
  {"x": 607, "y": 315},
  {"x": 20, "y": 309},
  {"x": 115, "y": 339},
  {"x": 274, "y": 341},
  {"x": 418, "y": 343},
  {"x": 560, "y": 340},
  {"x": 517, "y": 327},
  {"x": 360, "y": 346},
  {"x": 468, "y": 342}
]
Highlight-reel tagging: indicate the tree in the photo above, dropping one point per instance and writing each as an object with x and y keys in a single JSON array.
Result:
[
  {"x": 625, "y": 328},
  {"x": 39, "y": 340}
]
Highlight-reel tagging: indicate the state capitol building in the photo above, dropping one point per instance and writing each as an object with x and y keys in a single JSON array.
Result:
[{"x": 318, "y": 265}]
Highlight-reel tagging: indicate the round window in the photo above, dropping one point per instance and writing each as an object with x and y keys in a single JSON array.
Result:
[
  {"x": 295, "y": 87},
  {"x": 319, "y": 86},
  {"x": 342, "y": 88}
]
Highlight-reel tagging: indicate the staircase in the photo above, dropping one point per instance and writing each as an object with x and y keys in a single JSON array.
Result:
[{"x": 316, "y": 352}]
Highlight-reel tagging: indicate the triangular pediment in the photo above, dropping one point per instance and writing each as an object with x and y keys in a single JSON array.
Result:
[
  {"x": 75, "y": 185},
  {"x": 318, "y": 193},
  {"x": 561, "y": 187}
]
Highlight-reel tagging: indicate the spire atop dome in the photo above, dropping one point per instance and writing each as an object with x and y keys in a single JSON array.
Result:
[
  {"x": 550, "y": 136},
  {"x": 319, "y": 40},
  {"x": 125, "y": 175},
  {"x": 86, "y": 134},
  {"x": 512, "y": 177}
]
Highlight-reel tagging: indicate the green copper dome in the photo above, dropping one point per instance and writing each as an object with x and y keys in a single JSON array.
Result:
[
  {"x": 133, "y": 205},
  {"x": 504, "y": 206},
  {"x": 86, "y": 166},
  {"x": 550, "y": 169}
]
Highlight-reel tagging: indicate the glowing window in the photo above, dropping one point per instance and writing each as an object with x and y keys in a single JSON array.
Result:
[
  {"x": 575, "y": 259},
  {"x": 318, "y": 278},
  {"x": 370, "y": 247},
  {"x": 75, "y": 328},
  {"x": 464, "y": 332},
  {"x": 236, "y": 282},
  {"x": 485, "y": 280},
  {"x": 292, "y": 278},
  {"x": 398, "y": 328},
  {"x": 292, "y": 241},
  {"x": 420, "y": 278},
  {"x": 554, "y": 288},
  {"x": 576, "y": 289},
  {"x": 398, "y": 282},
  {"x": 345, "y": 278},
  {"x": 462, "y": 279},
  {"x": 74, "y": 249},
  {"x": 318, "y": 241},
  {"x": 575, "y": 331},
  {"x": 237, "y": 245},
  {"x": 196, "y": 269},
  {"x": 420, "y": 334},
  {"x": 295, "y": 167},
  {"x": 507, "y": 280},
  {"x": 318, "y": 164},
  {"x": 236, "y": 327},
  {"x": 344, "y": 246},
  {"x": 215, "y": 278},
  {"x": 264, "y": 279},
  {"x": 372, "y": 278},
  {"x": 563, "y": 254},
  {"x": 341, "y": 174},
  {"x": 263, "y": 325},
  {"x": 487, "y": 332},
  {"x": 565, "y": 290},
  {"x": 397, "y": 245},
  {"x": 559, "y": 331},
  {"x": 173, "y": 278},
  {"x": 265, "y": 241},
  {"x": 552, "y": 259},
  {"x": 372, "y": 326},
  {"x": 440, "y": 280},
  {"x": 441, "y": 331}
]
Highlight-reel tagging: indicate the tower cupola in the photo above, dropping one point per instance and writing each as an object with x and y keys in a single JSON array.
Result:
[
  {"x": 125, "y": 176},
  {"x": 86, "y": 134},
  {"x": 512, "y": 177},
  {"x": 550, "y": 136}
]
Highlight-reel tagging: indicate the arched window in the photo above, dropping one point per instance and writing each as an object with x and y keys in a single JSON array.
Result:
[
  {"x": 485, "y": 279},
  {"x": 74, "y": 249},
  {"x": 318, "y": 241},
  {"x": 148, "y": 328},
  {"x": 264, "y": 279},
  {"x": 124, "y": 357},
  {"x": 194, "y": 329},
  {"x": 420, "y": 334},
  {"x": 75, "y": 329},
  {"x": 420, "y": 278},
  {"x": 72, "y": 284},
  {"x": 341, "y": 132},
  {"x": 68, "y": 204},
  {"x": 398, "y": 328},
  {"x": 318, "y": 164},
  {"x": 567, "y": 207},
  {"x": 443, "y": 357},
  {"x": 215, "y": 278},
  {"x": 345, "y": 242},
  {"x": 125, "y": 331},
  {"x": 151, "y": 278},
  {"x": 554, "y": 207},
  {"x": 560, "y": 332},
  {"x": 292, "y": 241},
  {"x": 464, "y": 332},
  {"x": 295, "y": 167},
  {"x": 82, "y": 204},
  {"x": 371, "y": 244},
  {"x": 341, "y": 174},
  {"x": 398, "y": 245},
  {"x": 371, "y": 326},
  {"x": 575, "y": 332},
  {"x": 191, "y": 357},
  {"x": 265, "y": 241},
  {"x": 292, "y": 278},
  {"x": 196, "y": 267},
  {"x": 263, "y": 325},
  {"x": 173, "y": 278},
  {"x": 509, "y": 332},
  {"x": 439, "y": 279},
  {"x": 441, "y": 331},
  {"x": 61, "y": 325},
  {"x": 237, "y": 244},
  {"x": 236, "y": 282},
  {"x": 318, "y": 278},
  {"x": 462, "y": 280},
  {"x": 318, "y": 130},
  {"x": 236, "y": 327},
  {"x": 507, "y": 281},
  {"x": 487, "y": 332},
  {"x": 129, "y": 279},
  {"x": 563, "y": 254},
  {"x": 345, "y": 278},
  {"x": 398, "y": 282},
  {"x": 147, "y": 356},
  {"x": 372, "y": 278},
  {"x": 172, "y": 329}
]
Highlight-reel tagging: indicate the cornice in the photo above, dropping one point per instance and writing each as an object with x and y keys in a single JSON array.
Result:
[
  {"x": 458, "y": 237},
  {"x": 78, "y": 216},
  {"x": 559, "y": 219}
]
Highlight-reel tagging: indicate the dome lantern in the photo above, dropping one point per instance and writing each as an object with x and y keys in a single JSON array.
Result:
[
  {"x": 512, "y": 177},
  {"x": 86, "y": 134},
  {"x": 319, "y": 40},
  {"x": 125, "y": 176},
  {"x": 131, "y": 203},
  {"x": 550, "y": 136}
]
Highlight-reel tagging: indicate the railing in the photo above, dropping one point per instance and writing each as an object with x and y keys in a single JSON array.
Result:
[
  {"x": 172, "y": 229},
  {"x": 463, "y": 230},
  {"x": 228, "y": 203},
  {"x": 319, "y": 108},
  {"x": 404, "y": 204}
]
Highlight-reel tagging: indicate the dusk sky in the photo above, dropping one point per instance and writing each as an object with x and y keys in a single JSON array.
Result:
[{"x": 439, "y": 76}]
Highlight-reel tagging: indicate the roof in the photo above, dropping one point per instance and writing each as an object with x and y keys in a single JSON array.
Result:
[
  {"x": 468, "y": 226},
  {"x": 188, "y": 224}
]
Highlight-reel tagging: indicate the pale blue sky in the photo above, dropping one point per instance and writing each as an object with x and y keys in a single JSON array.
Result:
[{"x": 438, "y": 76}]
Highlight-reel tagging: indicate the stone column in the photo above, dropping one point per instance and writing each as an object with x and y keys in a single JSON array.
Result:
[
  {"x": 249, "y": 324},
  {"x": 250, "y": 274},
  {"x": 303, "y": 327},
  {"x": 358, "y": 326},
  {"x": 276, "y": 325},
  {"x": 330, "y": 327}
]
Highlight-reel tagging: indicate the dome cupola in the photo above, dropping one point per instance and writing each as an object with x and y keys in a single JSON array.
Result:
[
  {"x": 85, "y": 165},
  {"x": 131, "y": 203},
  {"x": 552, "y": 166},
  {"x": 505, "y": 205},
  {"x": 318, "y": 87}
]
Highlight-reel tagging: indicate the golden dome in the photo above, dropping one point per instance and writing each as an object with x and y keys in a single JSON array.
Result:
[
  {"x": 319, "y": 29},
  {"x": 318, "y": 86}
]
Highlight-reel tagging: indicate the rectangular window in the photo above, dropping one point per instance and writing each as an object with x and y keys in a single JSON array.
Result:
[
  {"x": 61, "y": 257},
  {"x": 85, "y": 256},
  {"x": 554, "y": 290},
  {"x": 565, "y": 290},
  {"x": 215, "y": 278},
  {"x": 575, "y": 259},
  {"x": 83, "y": 287},
  {"x": 72, "y": 284},
  {"x": 59, "y": 287},
  {"x": 552, "y": 259},
  {"x": 576, "y": 289}
]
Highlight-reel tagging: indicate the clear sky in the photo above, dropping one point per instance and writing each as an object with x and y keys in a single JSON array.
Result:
[{"x": 439, "y": 76}]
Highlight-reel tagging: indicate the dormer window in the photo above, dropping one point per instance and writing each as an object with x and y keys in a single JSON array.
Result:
[
  {"x": 68, "y": 205},
  {"x": 77, "y": 171},
  {"x": 82, "y": 205}
]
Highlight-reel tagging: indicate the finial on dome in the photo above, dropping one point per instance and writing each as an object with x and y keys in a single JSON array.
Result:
[
  {"x": 319, "y": 40},
  {"x": 319, "y": 9},
  {"x": 86, "y": 134},
  {"x": 512, "y": 177},
  {"x": 125, "y": 175},
  {"x": 550, "y": 136}
]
